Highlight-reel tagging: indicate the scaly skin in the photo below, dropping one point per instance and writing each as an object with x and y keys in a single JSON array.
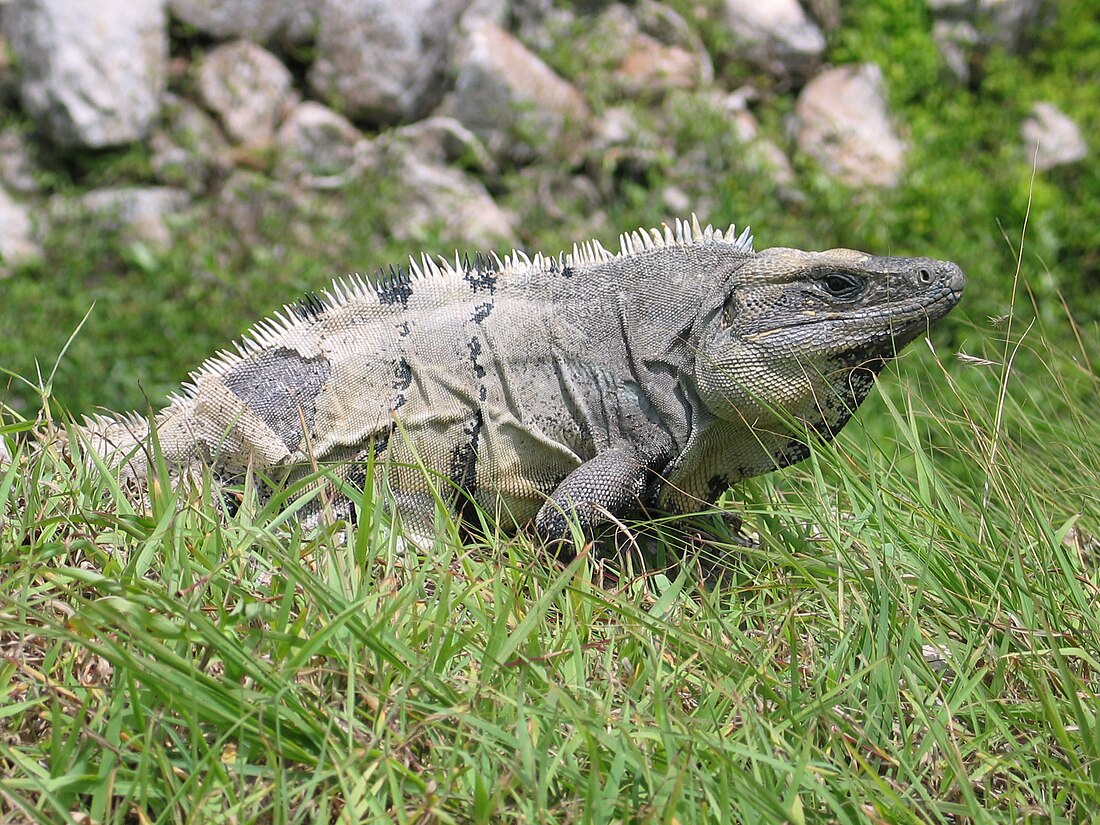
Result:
[{"x": 579, "y": 387}]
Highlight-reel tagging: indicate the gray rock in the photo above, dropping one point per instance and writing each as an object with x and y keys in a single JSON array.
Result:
[
  {"x": 9, "y": 76},
  {"x": 139, "y": 213},
  {"x": 315, "y": 142},
  {"x": 1006, "y": 23},
  {"x": 17, "y": 166},
  {"x": 248, "y": 88},
  {"x": 261, "y": 20},
  {"x": 497, "y": 11},
  {"x": 1051, "y": 138},
  {"x": 383, "y": 62},
  {"x": 512, "y": 100},
  {"x": 650, "y": 65},
  {"x": 17, "y": 230},
  {"x": 956, "y": 41},
  {"x": 761, "y": 154},
  {"x": 644, "y": 50},
  {"x": 444, "y": 140},
  {"x": 774, "y": 35},
  {"x": 92, "y": 73},
  {"x": 616, "y": 126},
  {"x": 189, "y": 150},
  {"x": 434, "y": 198},
  {"x": 248, "y": 200},
  {"x": 672, "y": 31},
  {"x": 965, "y": 28},
  {"x": 538, "y": 23},
  {"x": 843, "y": 122}
]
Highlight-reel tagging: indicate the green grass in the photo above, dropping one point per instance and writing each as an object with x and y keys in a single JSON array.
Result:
[{"x": 914, "y": 639}]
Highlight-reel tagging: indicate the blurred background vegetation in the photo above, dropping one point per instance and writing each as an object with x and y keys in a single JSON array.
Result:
[{"x": 154, "y": 314}]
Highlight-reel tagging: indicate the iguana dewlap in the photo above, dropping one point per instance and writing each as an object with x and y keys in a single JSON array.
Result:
[{"x": 584, "y": 386}]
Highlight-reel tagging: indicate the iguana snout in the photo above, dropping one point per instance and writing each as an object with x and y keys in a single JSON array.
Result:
[{"x": 790, "y": 328}]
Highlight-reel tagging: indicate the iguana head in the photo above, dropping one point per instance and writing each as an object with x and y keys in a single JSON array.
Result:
[{"x": 802, "y": 334}]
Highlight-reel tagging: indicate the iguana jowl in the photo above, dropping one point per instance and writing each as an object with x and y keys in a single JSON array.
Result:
[{"x": 581, "y": 386}]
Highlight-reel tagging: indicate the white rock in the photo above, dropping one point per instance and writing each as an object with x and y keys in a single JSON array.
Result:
[
  {"x": 651, "y": 66},
  {"x": 9, "y": 75},
  {"x": 774, "y": 35},
  {"x": 17, "y": 244},
  {"x": 189, "y": 150},
  {"x": 956, "y": 40},
  {"x": 455, "y": 203},
  {"x": 260, "y": 20},
  {"x": 434, "y": 198},
  {"x": 139, "y": 212},
  {"x": 315, "y": 142},
  {"x": 380, "y": 61},
  {"x": 843, "y": 122},
  {"x": 92, "y": 73},
  {"x": 444, "y": 140},
  {"x": 17, "y": 164},
  {"x": 760, "y": 153},
  {"x": 1005, "y": 22},
  {"x": 512, "y": 100},
  {"x": 964, "y": 28},
  {"x": 248, "y": 88},
  {"x": 1052, "y": 138}
]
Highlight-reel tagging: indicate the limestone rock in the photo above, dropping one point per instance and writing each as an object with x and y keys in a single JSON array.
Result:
[
  {"x": 774, "y": 35},
  {"x": 17, "y": 165},
  {"x": 956, "y": 41},
  {"x": 248, "y": 200},
  {"x": 383, "y": 62},
  {"x": 843, "y": 122},
  {"x": 189, "y": 150},
  {"x": 140, "y": 213},
  {"x": 248, "y": 88},
  {"x": 761, "y": 153},
  {"x": 1004, "y": 22},
  {"x": 316, "y": 142},
  {"x": 512, "y": 100},
  {"x": 444, "y": 140},
  {"x": 438, "y": 198},
  {"x": 646, "y": 50},
  {"x": 259, "y": 20},
  {"x": 92, "y": 73},
  {"x": 17, "y": 242},
  {"x": 9, "y": 76},
  {"x": 1052, "y": 138},
  {"x": 965, "y": 29}
]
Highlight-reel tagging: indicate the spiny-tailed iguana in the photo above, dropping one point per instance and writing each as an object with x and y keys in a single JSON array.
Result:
[{"x": 587, "y": 385}]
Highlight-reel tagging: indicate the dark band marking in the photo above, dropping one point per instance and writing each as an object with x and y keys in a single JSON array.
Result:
[
  {"x": 481, "y": 312},
  {"x": 402, "y": 380},
  {"x": 716, "y": 485},
  {"x": 309, "y": 307},
  {"x": 280, "y": 387},
  {"x": 475, "y": 351},
  {"x": 480, "y": 275},
  {"x": 464, "y": 463},
  {"x": 394, "y": 287}
]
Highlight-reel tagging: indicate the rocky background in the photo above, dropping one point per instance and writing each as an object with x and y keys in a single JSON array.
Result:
[{"x": 462, "y": 122}]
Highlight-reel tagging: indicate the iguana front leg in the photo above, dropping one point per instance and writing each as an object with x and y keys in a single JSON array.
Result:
[{"x": 612, "y": 483}]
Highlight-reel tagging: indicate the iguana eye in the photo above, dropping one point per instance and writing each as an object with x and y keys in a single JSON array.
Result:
[{"x": 842, "y": 285}]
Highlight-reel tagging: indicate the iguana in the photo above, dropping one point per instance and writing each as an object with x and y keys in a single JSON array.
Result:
[{"x": 584, "y": 386}]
